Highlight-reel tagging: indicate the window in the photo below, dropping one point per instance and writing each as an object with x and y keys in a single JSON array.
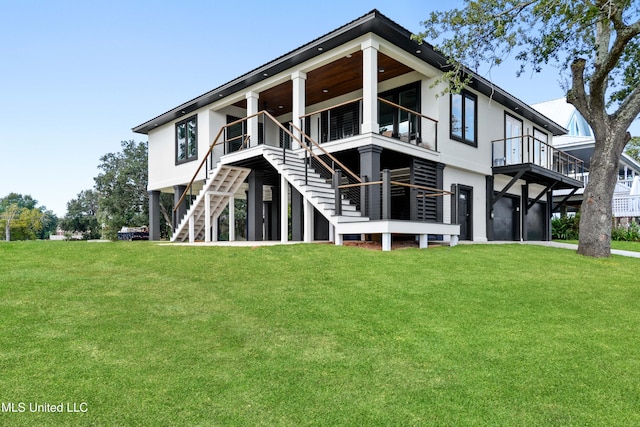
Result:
[
  {"x": 464, "y": 114},
  {"x": 187, "y": 140},
  {"x": 398, "y": 123}
]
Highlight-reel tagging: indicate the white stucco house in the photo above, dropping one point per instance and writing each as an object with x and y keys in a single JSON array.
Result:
[{"x": 347, "y": 137}]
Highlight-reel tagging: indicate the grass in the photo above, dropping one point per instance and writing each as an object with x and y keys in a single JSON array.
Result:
[
  {"x": 615, "y": 244},
  {"x": 318, "y": 335}
]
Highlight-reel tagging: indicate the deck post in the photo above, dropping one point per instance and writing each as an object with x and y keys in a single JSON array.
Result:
[
  {"x": 232, "y": 219},
  {"x": 386, "y": 194},
  {"x": 207, "y": 217},
  {"x": 192, "y": 229},
  {"x": 424, "y": 241},
  {"x": 284, "y": 209},
  {"x": 308, "y": 221},
  {"x": 386, "y": 241}
]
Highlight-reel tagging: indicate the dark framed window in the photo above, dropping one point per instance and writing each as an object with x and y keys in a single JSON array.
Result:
[
  {"x": 464, "y": 118},
  {"x": 187, "y": 140}
]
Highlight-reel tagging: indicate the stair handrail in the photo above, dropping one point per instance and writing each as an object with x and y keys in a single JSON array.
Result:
[
  {"x": 206, "y": 157},
  {"x": 325, "y": 152}
]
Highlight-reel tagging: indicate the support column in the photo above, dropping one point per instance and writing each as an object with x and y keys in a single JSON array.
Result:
[
  {"x": 182, "y": 209},
  {"x": 386, "y": 241},
  {"x": 252, "y": 124},
  {"x": 296, "y": 215},
  {"x": 524, "y": 200},
  {"x": 370, "y": 86},
  {"x": 424, "y": 241},
  {"x": 254, "y": 206},
  {"x": 232, "y": 219},
  {"x": 207, "y": 217},
  {"x": 299, "y": 102},
  {"x": 370, "y": 168},
  {"x": 192, "y": 229},
  {"x": 154, "y": 215},
  {"x": 275, "y": 214},
  {"x": 284, "y": 209},
  {"x": 549, "y": 214},
  {"x": 308, "y": 222}
]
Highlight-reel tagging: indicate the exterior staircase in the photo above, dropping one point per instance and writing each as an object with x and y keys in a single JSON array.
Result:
[
  {"x": 221, "y": 184},
  {"x": 313, "y": 187},
  {"x": 225, "y": 180}
]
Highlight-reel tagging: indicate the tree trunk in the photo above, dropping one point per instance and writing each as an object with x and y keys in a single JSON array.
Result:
[
  {"x": 596, "y": 210},
  {"x": 7, "y": 231}
]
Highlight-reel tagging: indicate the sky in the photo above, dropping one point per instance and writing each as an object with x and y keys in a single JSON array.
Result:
[{"x": 76, "y": 76}]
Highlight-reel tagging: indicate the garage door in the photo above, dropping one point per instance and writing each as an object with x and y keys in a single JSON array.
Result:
[
  {"x": 505, "y": 218},
  {"x": 536, "y": 222}
]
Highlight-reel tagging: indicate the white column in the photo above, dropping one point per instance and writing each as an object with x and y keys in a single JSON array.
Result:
[
  {"x": 207, "y": 217},
  {"x": 232, "y": 219},
  {"x": 370, "y": 86},
  {"x": 332, "y": 232},
  {"x": 192, "y": 229},
  {"x": 252, "y": 124},
  {"x": 338, "y": 240},
  {"x": 299, "y": 101},
  {"x": 308, "y": 221},
  {"x": 386, "y": 241},
  {"x": 284, "y": 209},
  {"x": 424, "y": 241},
  {"x": 454, "y": 240}
]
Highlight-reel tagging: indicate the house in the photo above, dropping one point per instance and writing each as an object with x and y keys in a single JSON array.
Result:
[
  {"x": 349, "y": 137},
  {"x": 580, "y": 142}
]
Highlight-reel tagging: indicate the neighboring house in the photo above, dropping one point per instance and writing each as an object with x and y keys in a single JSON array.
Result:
[
  {"x": 580, "y": 142},
  {"x": 348, "y": 137}
]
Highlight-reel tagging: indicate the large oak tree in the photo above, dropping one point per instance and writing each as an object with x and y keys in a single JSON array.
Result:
[{"x": 596, "y": 44}]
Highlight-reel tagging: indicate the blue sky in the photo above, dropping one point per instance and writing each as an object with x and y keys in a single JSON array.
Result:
[{"x": 76, "y": 76}]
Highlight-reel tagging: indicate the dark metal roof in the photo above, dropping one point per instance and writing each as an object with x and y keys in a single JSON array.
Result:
[{"x": 372, "y": 22}]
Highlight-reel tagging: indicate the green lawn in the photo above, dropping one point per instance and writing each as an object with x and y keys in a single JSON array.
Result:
[
  {"x": 318, "y": 335},
  {"x": 621, "y": 245}
]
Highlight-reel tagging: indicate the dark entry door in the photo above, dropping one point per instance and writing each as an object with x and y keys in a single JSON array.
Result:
[
  {"x": 465, "y": 214},
  {"x": 505, "y": 218}
]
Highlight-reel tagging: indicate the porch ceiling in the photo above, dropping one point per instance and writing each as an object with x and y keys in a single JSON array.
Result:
[{"x": 329, "y": 81}]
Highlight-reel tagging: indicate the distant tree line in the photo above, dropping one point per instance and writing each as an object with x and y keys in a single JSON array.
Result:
[{"x": 22, "y": 219}]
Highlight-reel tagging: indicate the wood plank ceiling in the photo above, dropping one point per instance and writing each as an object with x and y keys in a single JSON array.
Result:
[{"x": 329, "y": 81}]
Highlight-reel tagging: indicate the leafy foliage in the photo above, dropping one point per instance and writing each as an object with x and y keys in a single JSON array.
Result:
[
  {"x": 566, "y": 227},
  {"x": 122, "y": 188},
  {"x": 627, "y": 234},
  {"x": 633, "y": 148},
  {"x": 22, "y": 219},
  {"x": 595, "y": 45},
  {"x": 82, "y": 215}
]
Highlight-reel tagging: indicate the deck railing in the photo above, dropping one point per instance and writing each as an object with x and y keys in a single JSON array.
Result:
[
  {"x": 626, "y": 206},
  {"x": 527, "y": 149},
  {"x": 344, "y": 120}
]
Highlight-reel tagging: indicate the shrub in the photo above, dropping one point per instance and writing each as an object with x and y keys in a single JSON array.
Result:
[
  {"x": 630, "y": 233},
  {"x": 566, "y": 227}
]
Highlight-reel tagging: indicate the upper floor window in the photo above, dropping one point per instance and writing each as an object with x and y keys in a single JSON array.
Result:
[
  {"x": 187, "y": 140},
  {"x": 464, "y": 115}
]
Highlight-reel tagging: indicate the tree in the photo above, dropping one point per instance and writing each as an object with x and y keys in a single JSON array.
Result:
[
  {"x": 122, "y": 188},
  {"x": 82, "y": 215},
  {"x": 8, "y": 214},
  {"x": 23, "y": 220},
  {"x": 595, "y": 43},
  {"x": 633, "y": 148}
]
